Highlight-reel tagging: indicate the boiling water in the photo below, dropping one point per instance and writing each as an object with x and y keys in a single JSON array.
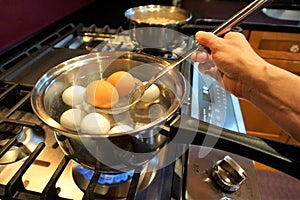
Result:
[{"x": 137, "y": 116}]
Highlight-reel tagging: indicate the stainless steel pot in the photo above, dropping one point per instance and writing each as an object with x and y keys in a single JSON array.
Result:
[
  {"x": 158, "y": 15},
  {"x": 114, "y": 151},
  {"x": 152, "y": 26}
]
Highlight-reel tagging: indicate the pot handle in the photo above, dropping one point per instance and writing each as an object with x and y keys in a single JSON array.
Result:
[{"x": 281, "y": 156}]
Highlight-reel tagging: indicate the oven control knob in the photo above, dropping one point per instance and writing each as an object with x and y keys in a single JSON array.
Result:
[{"x": 228, "y": 174}]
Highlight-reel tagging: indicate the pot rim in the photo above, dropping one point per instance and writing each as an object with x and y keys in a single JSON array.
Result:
[
  {"x": 39, "y": 90},
  {"x": 130, "y": 13}
]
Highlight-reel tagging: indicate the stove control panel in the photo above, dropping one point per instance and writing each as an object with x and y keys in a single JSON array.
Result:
[
  {"x": 228, "y": 174},
  {"x": 211, "y": 103},
  {"x": 216, "y": 174}
]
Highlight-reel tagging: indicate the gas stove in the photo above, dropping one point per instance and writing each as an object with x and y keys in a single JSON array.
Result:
[{"x": 32, "y": 165}]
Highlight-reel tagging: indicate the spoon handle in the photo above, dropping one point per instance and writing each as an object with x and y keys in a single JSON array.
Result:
[
  {"x": 241, "y": 16},
  {"x": 220, "y": 31},
  {"x": 171, "y": 66}
]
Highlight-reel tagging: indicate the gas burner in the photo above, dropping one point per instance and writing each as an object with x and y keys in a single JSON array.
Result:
[
  {"x": 107, "y": 39},
  {"x": 105, "y": 178},
  {"x": 18, "y": 136},
  {"x": 8, "y": 131},
  {"x": 163, "y": 53},
  {"x": 26, "y": 141},
  {"x": 111, "y": 184}
]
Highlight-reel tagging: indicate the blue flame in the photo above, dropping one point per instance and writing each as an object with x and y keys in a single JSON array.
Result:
[{"x": 106, "y": 178}]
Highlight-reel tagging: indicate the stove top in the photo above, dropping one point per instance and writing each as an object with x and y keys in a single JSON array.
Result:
[{"x": 32, "y": 165}]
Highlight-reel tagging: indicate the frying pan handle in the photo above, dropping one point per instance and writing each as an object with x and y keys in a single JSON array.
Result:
[{"x": 281, "y": 156}]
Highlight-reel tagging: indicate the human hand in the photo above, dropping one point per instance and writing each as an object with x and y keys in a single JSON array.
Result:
[{"x": 235, "y": 59}]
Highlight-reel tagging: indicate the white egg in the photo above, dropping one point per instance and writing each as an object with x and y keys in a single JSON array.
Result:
[
  {"x": 71, "y": 118},
  {"x": 73, "y": 95},
  {"x": 120, "y": 128},
  {"x": 95, "y": 123},
  {"x": 151, "y": 94}
]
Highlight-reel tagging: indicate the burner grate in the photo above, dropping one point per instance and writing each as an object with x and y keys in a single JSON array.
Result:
[
  {"x": 87, "y": 38},
  {"x": 10, "y": 59},
  {"x": 16, "y": 186}
]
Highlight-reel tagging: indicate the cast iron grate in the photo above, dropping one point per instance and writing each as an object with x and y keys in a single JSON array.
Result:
[{"x": 15, "y": 189}]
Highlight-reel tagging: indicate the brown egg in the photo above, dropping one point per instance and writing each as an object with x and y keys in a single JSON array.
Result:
[
  {"x": 102, "y": 94},
  {"x": 123, "y": 81}
]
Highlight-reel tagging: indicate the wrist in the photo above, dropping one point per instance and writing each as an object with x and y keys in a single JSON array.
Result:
[{"x": 256, "y": 82}]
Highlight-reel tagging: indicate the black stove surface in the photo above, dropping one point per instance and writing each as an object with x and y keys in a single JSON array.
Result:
[{"x": 42, "y": 170}]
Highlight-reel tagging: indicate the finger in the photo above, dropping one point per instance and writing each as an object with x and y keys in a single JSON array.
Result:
[
  {"x": 199, "y": 56},
  {"x": 207, "y": 39}
]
